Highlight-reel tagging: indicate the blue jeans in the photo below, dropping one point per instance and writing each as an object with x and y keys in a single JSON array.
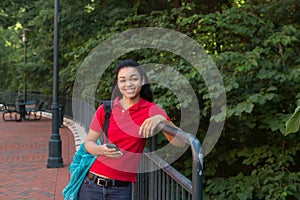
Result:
[{"x": 91, "y": 191}]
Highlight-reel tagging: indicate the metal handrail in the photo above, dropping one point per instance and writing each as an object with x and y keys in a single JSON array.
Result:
[{"x": 196, "y": 153}]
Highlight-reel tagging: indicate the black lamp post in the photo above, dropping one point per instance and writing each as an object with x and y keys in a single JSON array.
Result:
[
  {"x": 25, "y": 41},
  {"x": 55, "y": 159}
]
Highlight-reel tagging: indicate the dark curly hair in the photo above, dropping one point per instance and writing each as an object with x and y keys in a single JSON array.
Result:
[{"x": 145, "y": 92}]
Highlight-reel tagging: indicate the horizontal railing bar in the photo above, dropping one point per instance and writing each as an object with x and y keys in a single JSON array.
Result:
[{"x": 180, "y": 134}]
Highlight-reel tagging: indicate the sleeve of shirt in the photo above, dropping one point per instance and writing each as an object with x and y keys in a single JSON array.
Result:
[
  {"x": 97, "y": 122},
  {"x": 156, "y": 110}
]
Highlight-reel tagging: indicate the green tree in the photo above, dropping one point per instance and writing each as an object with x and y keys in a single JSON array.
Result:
[{"x": 255, "y": 45}]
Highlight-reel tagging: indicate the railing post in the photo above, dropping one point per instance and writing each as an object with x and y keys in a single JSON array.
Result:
[
  {"x": 197, "y": 168},
  {"x": 197, "y": 157},
  {"x": 152, "y": 177}
]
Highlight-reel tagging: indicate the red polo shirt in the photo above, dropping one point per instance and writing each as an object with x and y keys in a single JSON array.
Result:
[{"x": 123, "y": 131}]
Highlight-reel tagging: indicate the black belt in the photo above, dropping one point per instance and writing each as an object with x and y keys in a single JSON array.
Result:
[{"x": 106, "y": 182}]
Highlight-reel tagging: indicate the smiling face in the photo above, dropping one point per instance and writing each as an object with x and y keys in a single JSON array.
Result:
[{"x": 130, "y": 83}]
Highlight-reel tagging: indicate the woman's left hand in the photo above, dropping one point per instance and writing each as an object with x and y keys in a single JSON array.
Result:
[{"x": 148, "y": 127}]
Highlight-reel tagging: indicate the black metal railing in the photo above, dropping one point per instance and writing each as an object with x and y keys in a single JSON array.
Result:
[
  {"x": 166, "y": 183},
  {"x": 163, "y": 183}
]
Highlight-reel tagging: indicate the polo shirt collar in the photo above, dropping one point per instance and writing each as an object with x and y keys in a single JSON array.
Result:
[{"x": 141, "y": 103}]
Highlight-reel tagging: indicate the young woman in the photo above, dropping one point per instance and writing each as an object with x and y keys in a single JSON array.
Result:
[{"x": 134, "y": 118}]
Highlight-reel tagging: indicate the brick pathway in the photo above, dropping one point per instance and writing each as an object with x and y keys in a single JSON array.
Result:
[{"x": 23, "y": 160}]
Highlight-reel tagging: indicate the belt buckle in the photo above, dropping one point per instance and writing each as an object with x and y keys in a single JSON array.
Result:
[
  {"x": 106, "y": 182},
  {"x": 103, "y": 180}
]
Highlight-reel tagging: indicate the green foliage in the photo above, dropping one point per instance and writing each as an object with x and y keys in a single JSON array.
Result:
[
  {"x": 266, "y": 175},
  {"x": 268, "y": 184},
  {"x": 255, "y": 45},
  {"x": 293, "y": 124}
]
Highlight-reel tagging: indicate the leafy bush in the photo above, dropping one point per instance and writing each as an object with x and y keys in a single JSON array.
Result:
[{"x": 255, "y": 45}]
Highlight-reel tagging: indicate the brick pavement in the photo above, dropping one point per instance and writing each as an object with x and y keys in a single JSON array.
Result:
[{"x": 23, "y": 160}]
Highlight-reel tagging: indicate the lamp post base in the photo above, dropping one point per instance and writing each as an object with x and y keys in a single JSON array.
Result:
[
  {"x": 55, "y": 163},
  {"x": 55, "y": 160}
]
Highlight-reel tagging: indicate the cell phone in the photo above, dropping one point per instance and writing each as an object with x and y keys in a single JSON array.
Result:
[{"x": 113, "y": 146}]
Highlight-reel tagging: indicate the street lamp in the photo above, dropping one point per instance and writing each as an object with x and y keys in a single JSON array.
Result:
[
  {"x": 25, "y": 41},
  {"x": 55, "y": 159}
]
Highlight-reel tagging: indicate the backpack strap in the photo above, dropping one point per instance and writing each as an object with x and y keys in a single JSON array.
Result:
[{"x": 107, "y": 108}]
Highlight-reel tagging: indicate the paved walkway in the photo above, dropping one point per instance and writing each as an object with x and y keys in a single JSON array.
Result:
[{"x": 23, "y": 160}]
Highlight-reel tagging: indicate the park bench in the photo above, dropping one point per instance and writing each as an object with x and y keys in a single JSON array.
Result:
[
  {"x": 10, "y": 112},
  {"x": 33, "y": 110},
  {"x": 29, "y": 110}
]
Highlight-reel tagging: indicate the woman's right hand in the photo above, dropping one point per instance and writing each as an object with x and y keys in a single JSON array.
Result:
[
  {"x": 110, "y": 152},
  {"x": 99, "y": 150}
]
